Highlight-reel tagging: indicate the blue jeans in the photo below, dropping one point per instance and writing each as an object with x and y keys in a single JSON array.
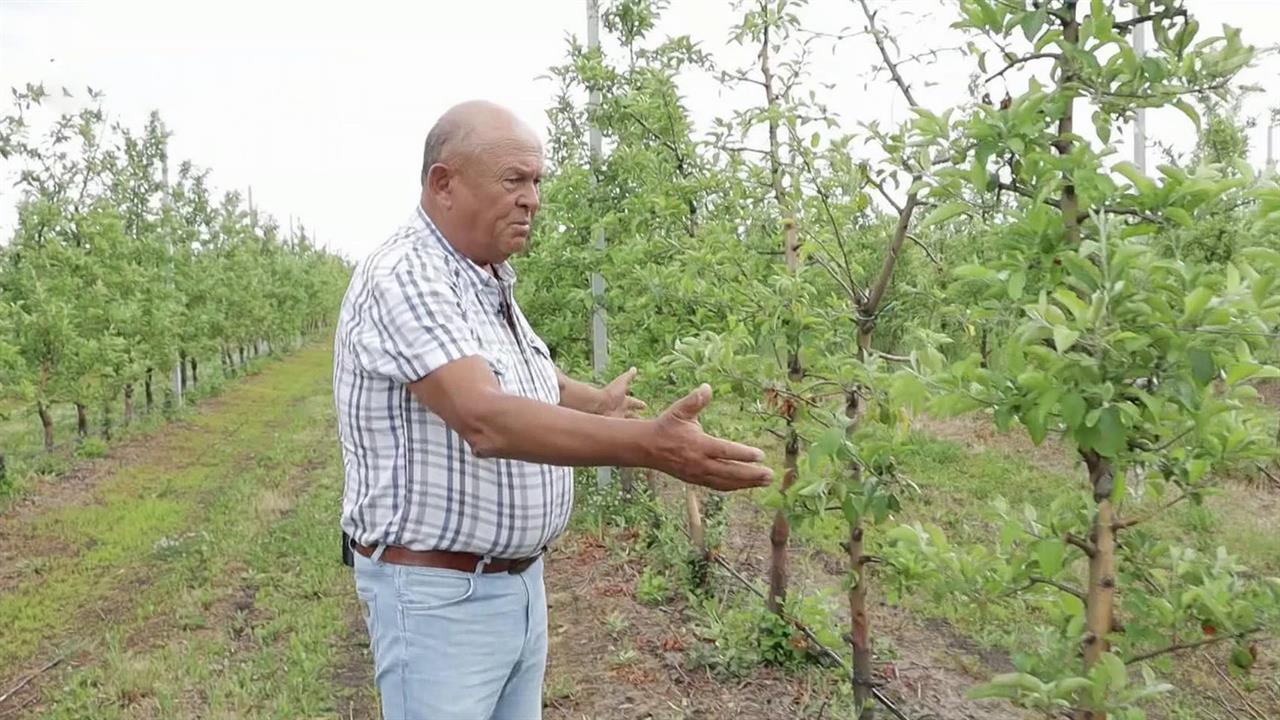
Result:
[{"x": 451, "y": 645}]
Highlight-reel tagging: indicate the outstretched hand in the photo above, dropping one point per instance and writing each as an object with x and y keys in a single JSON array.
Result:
[
  {"x": 616, "y": 399},
  {"x": 686, "y": 452}
]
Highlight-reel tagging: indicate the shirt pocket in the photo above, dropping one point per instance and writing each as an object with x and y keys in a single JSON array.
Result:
[{"x": 545, "y": 370}]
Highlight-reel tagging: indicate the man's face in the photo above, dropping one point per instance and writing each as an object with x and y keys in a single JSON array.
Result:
[{"x": 498, "y": 196}]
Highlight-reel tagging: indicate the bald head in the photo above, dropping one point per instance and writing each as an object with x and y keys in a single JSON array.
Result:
[
  {"x": 481, "y": 168},
  {"x": 470, "y": 129}
]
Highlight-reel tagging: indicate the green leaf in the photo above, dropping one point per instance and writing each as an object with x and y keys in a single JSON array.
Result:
[
  {"x": 1195, "y": 304},
  {"x": 1072, "y": 408},
  {"x": 1111, "y": 438},
  {"x": 1049, "y": 554},
  {"x": 1140, "y": 181},
  {"x": 1189, "y": 111},
  {"x": 1017, "y": 283},
  {"x": 1064, "y": 337},
  {"x": 1203, "y": 367},
  {"x": 1178, "y": 215},
  {"x": 943, "y": 213},
  {"x": 1031, "y": 24}
]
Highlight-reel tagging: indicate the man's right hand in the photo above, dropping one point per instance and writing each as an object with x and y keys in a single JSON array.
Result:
[{"x": 683, "y": 450}]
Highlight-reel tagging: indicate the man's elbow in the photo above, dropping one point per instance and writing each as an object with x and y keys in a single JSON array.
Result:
[{"x": 483, "y": 430}]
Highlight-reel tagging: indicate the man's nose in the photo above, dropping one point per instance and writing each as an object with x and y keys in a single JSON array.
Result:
[{"x": 529, "y": 199}]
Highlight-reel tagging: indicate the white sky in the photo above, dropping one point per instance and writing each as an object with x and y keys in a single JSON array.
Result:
[{"x": 322, "y": 106}]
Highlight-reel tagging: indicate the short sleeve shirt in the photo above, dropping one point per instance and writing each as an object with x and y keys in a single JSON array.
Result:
[{"x": 414, "y": 305}]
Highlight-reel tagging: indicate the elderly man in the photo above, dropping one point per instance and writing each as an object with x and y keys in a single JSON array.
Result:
[{"x": 458, "y": 433}]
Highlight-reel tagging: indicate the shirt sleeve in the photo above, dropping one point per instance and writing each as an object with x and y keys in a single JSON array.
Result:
[{"x": 414, "y": 324}]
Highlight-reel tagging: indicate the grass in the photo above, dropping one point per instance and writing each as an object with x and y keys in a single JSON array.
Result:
[{"x": 203, "y": 580}]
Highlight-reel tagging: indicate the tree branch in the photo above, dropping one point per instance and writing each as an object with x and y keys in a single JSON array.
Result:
[
  {"x": 1084, "y": 545},
  {"x": 884, "y": 193},
  {"x": 1019, "y": 190},
  {"x": 1019, "y": 61},
  {"x": 1189, "y": 646},
  {"x": 925, "y": 248},
  {"x": 1126, "y": 25},
  {"x": 1038, "y": 580},
  {"x": 886, "y": 271},
  {"x": 1123, "y": 524},
  {"x": 884, "y": 53}
]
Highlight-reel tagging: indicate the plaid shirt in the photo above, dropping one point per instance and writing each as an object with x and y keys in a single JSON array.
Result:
[{"x": 414, "y": 305}]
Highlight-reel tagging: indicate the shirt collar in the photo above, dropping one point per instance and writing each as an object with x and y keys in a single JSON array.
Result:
[{"x": 506, "y": 274}]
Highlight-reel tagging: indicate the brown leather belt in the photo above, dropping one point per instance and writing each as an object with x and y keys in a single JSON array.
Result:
[{"x": 447, "y": 559}]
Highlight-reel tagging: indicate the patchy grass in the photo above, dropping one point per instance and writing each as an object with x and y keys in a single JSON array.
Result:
[{"x": 201, "y": 580}]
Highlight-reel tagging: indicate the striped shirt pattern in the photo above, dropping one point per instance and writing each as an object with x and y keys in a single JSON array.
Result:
[{"x": 414, "y": 305}]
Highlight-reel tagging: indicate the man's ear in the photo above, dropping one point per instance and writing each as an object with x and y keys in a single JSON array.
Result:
[{"x": 439, "y": 184}]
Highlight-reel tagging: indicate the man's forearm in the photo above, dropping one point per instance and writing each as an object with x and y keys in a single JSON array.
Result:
[
  {"x": 579, "y": 395},
  {"x": 514, "y": 427}
]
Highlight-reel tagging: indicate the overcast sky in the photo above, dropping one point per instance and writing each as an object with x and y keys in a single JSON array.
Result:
[{"x": 322, "y": 106}]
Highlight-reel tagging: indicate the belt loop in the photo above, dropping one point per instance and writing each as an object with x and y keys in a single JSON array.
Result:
[
  {"x": 481, "y": 565},
  {"x": 377, "y": 553}
]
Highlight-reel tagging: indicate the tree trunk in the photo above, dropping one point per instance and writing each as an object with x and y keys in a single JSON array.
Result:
[
  {"x": 781, "y": 531},
  {"x": 241, "y": 356},
  {"x": 151, "y": 398},
  {"x": 182, "y": 371},
  {"x": 780, "y": 534},
  {"x": 1067, "y": 74},
  {"x": 693, "y": 515},
  {"x": 46, "y": 421},
  {"x": 82, "y": 421},
  {"x": 1100, "y": 598},
  {"x": 106, "y": 419},
  {"x": 195, "y": 377},
  {"x": 3, "y": 469},
  {"x": 860, "y": 628},
  {"x": 128, "y": 404},
  {"x": 860, "y": 625}
]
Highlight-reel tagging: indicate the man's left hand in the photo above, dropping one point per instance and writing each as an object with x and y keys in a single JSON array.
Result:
[{"x": 616, "y": 400}]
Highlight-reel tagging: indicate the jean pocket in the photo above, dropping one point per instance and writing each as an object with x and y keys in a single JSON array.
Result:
[{"x": 427, "y": 589}]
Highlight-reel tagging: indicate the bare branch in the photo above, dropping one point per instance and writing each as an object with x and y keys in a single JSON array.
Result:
[
  {"x": 1024, "y": 192},
  {"x": 885, "y": 194},
  {"x": 1020, "y": 61},
  {"x": 1122, "y": 524},
  {"x": 1084, "y": 545},
  {"x": 1038, "y": 580},
  {"x": 1189, "y": 646},
  {"x": 925, "y": 248},
  {"x": 855, "y": 295},
  {"x": 884, "y": 53},
  {"x": 886, "y": 271},
  {"x": 1125, "y": 25}
]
